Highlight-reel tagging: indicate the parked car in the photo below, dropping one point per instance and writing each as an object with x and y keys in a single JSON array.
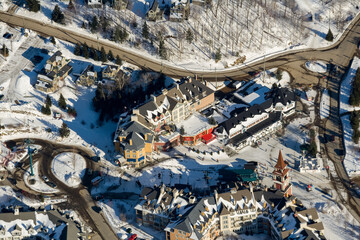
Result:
[
  {"x": 7, "y": 35},
  {"x": 45, "y": 178},
  {"x": 51, "y": 184},
  {"x": 132, "y": 237}
]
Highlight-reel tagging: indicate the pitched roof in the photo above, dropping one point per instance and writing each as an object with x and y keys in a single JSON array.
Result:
[{"x": 280, "y": 162}]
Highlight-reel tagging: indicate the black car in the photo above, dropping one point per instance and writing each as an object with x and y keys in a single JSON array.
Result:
[
  {"x": 7, "y": 35},
  {"x": 51, "y": 184}
]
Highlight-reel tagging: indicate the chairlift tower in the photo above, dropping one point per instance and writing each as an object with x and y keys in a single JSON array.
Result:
[{"x": 27, "y": 142}]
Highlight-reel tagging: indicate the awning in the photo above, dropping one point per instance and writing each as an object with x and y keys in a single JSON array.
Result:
[{"x": 208, "y": 137}]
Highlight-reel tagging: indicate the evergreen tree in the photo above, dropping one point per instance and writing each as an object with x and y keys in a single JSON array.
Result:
[
  {"x": 99, "y": 98},
  {"x": 46, "y": 110},
  {"x": 218, "y": 55},
  {"x": 48, "y": 101},
  {"x": 118, "y": 60},
  {"x": 162, "y": 49},
  {"x": 212, "y": 121},
  {"x": 95, "y": 54},
  {"x": 86, "y": 51},
  {"x": 103, "y": 55},
  {"x": 329, "y": 36},
  {"x": 110, "y": 56},
  {"x": 182, "y": 130},
  {"x": 62, "y": 102},
  {"x": 5, "y": 50},
  {"x": 278, "y": 74},
  {"x": 83, "y": 25},
  {"x": 57, "y": 16},
  {"x": 53, "y": 41},
  {"x": 189, "y": 36},
  {"x": 145, "y": 31},
  {"x": 71, "y": 6},
  {"x": 77, "y": 50},
  {"x": 94, "y": 24},
  {"x": 64, "y": 131},
  {"x": 34, "y": 5}
]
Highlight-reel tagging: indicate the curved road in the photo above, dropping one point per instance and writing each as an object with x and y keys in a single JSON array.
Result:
[
  {"x": 290, "y": 60},
  {"x": 79, "y": 198}
]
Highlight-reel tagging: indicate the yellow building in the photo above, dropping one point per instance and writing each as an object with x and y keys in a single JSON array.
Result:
[{"x": 134, "y": 141}]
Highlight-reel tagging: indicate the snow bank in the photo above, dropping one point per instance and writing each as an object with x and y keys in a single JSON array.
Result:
[
  {"x": 351, "y": 160},
  {"x": 346, "y": 87},
  {"x": 69, "y": 168},
  {"x": 325, "y": 104},
  {"x": 316, "y": 66},
  {"x": 39, "y": 185}
]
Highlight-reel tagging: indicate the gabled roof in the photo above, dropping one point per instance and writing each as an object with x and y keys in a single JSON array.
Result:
[
  {"x": 54, "y": 56},
  {"x": 135, "y": 132},
  {"x": 192, "y": 88},
  {"x": 282, "y": 95},
  {"x": 280, "y": 164}
]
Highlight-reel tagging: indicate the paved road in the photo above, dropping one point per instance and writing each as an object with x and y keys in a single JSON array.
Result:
[
  {"x": 79, "y": 198},
  {"x": 292, "y": 60}
]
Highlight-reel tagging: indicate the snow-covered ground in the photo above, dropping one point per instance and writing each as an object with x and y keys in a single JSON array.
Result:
[
  {"x": 351, "y": 159},
  {"x": 325, "y": 104},
  {"x": 247, "y": 29},
  {"x": 316, "y": 66},
  {"x": 346, "y": 87},
  {"x": 69, "y": 168},
  {"x": 39, "y": 185}
]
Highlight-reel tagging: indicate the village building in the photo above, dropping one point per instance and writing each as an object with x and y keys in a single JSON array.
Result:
[
  {"x": 243, "y": 210},
  {"x": 134, "y": 142},
  {"x": 281, "y": 176},
  {"x": 163, "y": 113},
  {"x": 249, "y": 124},
  {"x": 16, "y": 223},
  {"x": 111, "y": 74},
  {"x": 159, "y": 205},
  {"x": 179, "y": 10},
  {"x": 88, "y": 77},
  {"x": 94, "y": 3},
  {"x": 154, "y": 13},
  {"x": 56, "y": 69},
  {"x": 197, "y": 129}
]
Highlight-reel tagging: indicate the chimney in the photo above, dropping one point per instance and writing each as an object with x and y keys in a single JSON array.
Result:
[
  {"x": 146, "y": 137},
  {"x": 192, "y": 199},
  {"x": 134, "y": 118},
  {"x": 216, "y": 195},
  {"x": 16, "y": 211},
  {"x": 130, "y": 142},
  {"x": 189, "y": 79}
]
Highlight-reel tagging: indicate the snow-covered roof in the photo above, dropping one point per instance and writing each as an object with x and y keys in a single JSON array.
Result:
[{"x": 195, "y": 124}]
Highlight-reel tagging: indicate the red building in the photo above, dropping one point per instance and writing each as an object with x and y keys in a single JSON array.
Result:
[
  {"x": 281, "y": 176},
  {"x": 205, "y": 136}
]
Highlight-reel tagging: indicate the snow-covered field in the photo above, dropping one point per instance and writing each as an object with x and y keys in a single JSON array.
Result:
[
  {"x": 249, "y": 29},
  {"x": 346, "y": 87},
  {"x": 325, "y": 104},
  {"x": 316, "y": 66},
  {"x": 69, "y": 168}
]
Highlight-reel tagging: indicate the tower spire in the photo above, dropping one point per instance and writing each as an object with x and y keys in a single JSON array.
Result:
[{"x": 280, "y": 164}]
